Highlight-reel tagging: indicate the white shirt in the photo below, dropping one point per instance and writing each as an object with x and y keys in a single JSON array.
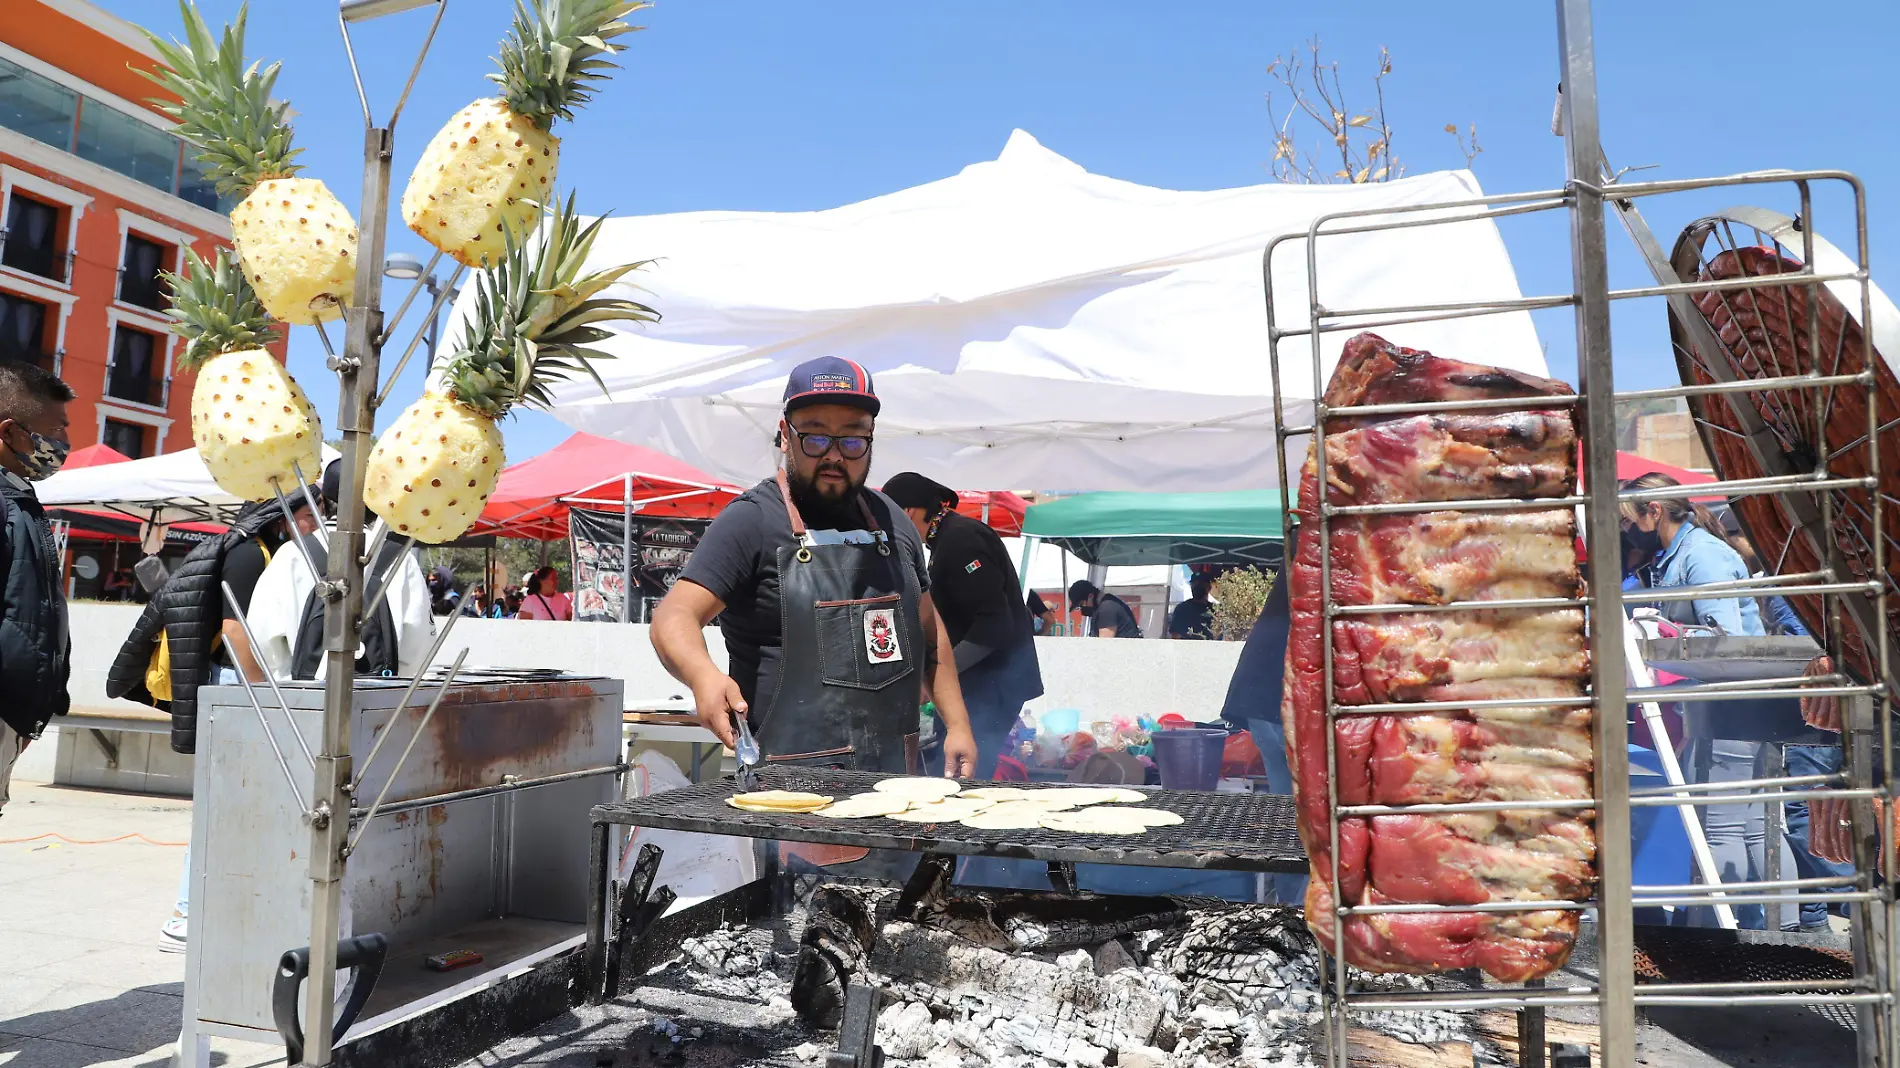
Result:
[{"x": 282, "y": 591}]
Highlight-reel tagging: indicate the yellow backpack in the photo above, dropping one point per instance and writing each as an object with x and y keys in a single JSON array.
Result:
[{"x": 158, "y": 671}]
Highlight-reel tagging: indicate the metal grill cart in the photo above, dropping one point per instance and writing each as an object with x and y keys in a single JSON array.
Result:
[
  {"x": 1798, "y": 434},
  {"x": 1218, "y": 831},
  {"x": 476, "y": 843}
]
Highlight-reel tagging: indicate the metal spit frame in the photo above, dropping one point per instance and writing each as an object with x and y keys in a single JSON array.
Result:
[{"x": 1866, "y": 779}]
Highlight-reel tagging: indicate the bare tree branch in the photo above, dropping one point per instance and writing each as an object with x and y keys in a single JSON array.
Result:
[{"x": 1363, "y": 141}]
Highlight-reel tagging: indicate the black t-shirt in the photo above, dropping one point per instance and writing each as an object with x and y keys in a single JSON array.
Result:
[
  {"x": 1192, "y": 619},
  {"x": 973, "y": 585},
  {"x": 243, "y": 565},
  {"x": 737, "y": 561},
  {"x": 1114, "y": 612}
]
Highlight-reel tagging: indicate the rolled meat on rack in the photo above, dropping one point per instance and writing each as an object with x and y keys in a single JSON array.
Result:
[{"x": 1534, "y": 753}]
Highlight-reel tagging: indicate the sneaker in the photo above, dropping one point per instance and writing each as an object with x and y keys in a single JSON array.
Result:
[{"x": 171, "y": 937}]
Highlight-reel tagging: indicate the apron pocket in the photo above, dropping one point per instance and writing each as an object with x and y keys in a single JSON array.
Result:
[{"x": 862, "y": 644}]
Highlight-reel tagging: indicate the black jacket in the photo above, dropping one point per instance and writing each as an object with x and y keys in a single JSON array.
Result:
[
  {"x": 974, "y": 586},
  {"x": 35, "y": 648},
  {"x": 190, "y": 608}
]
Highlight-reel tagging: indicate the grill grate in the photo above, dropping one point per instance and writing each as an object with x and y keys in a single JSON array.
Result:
[
  {"x": 1699, "y": 955},
  {"x": 1242, "y": 832}
]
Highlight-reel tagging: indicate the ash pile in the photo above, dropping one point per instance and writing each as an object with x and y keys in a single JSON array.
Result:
[{"x": 1029, "y": 980}]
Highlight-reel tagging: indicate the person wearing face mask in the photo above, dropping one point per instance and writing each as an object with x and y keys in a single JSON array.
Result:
[
  {"x": 1685, "y": 541},
  {"x": 1113, "y": 618},
  {"x": 35, "y": 647}
]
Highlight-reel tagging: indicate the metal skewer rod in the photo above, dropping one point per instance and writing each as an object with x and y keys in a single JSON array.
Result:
[
  {"x": 377, "y": 532},
  {"x": 434, "y": 309},
  {"x": 362, "y": 773},
  {"x": 290, "y": 524},
  {"x": 404, "y": 758},
  {"x": 324, "y": 335},
  {"x": 269, "y": 735},
  {"x": 230, "y": 598},
  {"x": 394, "y": 576},
  {"x": 416, "y": 286},
  {"x": 303, "y": 485}
]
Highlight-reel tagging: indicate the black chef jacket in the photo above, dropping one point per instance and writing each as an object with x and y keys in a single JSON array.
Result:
[{"x": 977, "y": 594}]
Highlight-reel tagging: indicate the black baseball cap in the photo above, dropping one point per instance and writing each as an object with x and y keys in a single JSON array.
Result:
[
  {"x": 830, "y": 380},
  {"x": 912, "y": 490}
]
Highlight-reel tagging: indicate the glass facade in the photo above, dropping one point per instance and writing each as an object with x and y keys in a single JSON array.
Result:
[
  {"x": 118, "y": 141},
  {"x": 94, "y": 130}
]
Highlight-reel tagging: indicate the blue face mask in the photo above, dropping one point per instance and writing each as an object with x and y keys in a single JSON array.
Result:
[
  {"x": 46, "y": 456},
  {"x": 1039, "y": 622}
]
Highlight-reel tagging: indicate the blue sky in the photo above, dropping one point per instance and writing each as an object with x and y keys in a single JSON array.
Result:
[{"x": 740, "y": 104}]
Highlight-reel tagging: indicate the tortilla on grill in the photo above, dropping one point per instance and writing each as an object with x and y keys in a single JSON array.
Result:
[
  {"x": 918, "y": 788},
  {"x": 949, "y": 810},
  {"x": 1078, "y": 796},
  {"x": 1008, "y": 816},
  {"x": 778, "y": 801},
  {"x": 863, "y": 806},
  {"x": 997, "y": 793},
  {"x": 1156, "y": 817},
  {"x": 1098, "y": 820}
]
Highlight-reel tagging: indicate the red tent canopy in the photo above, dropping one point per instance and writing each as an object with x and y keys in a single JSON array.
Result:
[
  {"x": 1004, "y": 509},
  {"x": 532, "y": 498},
  {"x": 93, "y": 456},
  {"x": 1629, "y": 465}
]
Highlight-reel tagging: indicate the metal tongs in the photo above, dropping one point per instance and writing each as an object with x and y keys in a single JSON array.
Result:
[{"x": 747, "y": 752}]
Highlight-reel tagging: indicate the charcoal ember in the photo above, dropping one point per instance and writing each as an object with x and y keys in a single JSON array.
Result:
[
  {"x": 725, "y": 952},
  {"x": 904, "y": 1030}
]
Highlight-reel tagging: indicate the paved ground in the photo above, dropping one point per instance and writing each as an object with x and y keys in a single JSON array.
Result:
[{"x": 81, "y": 979}]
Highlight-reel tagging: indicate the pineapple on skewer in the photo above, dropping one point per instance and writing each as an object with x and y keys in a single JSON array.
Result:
[
  {"x": 535, "y": 320},
  {"x": 489, "y": 168},
  {"x": 296, "y": 242},
  {"x": 250, "y": 421}
]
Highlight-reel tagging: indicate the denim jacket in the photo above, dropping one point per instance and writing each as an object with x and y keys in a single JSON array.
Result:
[{"x": 1697, "y": 557}]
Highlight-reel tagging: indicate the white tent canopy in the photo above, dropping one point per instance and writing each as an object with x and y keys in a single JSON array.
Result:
[
  {"x": 169, "y": 488},
  {"x": 1027, "y": 323}
]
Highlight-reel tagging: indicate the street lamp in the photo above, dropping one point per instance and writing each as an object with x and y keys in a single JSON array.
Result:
[{"x": 406, "y": 268}]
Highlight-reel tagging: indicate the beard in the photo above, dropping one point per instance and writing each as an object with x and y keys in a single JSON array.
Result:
[{"x": 825, "y": 506}]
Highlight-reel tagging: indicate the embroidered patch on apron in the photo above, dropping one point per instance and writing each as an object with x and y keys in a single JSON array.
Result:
[{"x": 880, "y": 636}]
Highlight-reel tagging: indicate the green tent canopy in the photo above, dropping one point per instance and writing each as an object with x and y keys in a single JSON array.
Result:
[{"x": 1140, "y": 529}]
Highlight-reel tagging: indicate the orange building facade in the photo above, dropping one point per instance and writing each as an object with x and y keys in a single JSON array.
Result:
[{"x": 97, "y": 196}]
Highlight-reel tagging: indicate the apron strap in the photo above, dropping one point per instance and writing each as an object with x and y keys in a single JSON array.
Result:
[{"x": 798, "y": 521}]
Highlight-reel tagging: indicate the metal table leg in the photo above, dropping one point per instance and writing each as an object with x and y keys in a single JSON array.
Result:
[{"x": 597, "y": 883}]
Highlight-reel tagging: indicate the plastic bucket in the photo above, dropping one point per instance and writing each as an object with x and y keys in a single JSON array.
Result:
[
  {"x": 1189, "y": 758},
  {"x": 1059, "y": 721}
]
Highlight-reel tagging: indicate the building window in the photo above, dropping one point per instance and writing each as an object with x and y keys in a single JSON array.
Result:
[
  {"x": 138, "y": 273},
  {"x": 125, "y": 438},
  {"x": 135, "y": 370},
  {"x": 30, "y": 241},
  {"x": 37, "y": 106},
  {"x": 23, "y": 326},
  {"x": 196, "y": 185},
  {"x": 111, "y": 138}
]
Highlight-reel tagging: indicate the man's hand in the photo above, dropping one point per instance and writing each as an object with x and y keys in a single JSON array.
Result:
[
  {"x": 959, "y": 752},
  {"x": 715, "y": 702}
]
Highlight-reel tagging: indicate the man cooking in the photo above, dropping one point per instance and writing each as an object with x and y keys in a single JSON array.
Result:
[{"x": 822, "y": 595}]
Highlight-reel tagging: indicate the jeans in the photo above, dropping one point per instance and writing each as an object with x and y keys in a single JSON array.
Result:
[
  {"x": 1738, "y": 834},
  {"x": 1269, "y": 735},
  {"x": 1811, "y": 760}
]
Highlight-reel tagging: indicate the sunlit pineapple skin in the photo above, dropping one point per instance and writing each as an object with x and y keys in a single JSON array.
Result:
[
  {"x": 253, "y": 425},
  {"x": 431, "y": 472},
  {"x": 487, "y": 169},
  {"x": 297, "y": 245}
]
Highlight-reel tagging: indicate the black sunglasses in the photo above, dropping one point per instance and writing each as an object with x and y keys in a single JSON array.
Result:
[{"x": 815, "y": 446}]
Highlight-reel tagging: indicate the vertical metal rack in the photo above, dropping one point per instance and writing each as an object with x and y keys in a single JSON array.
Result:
[{"x": 1809, "y": 489}]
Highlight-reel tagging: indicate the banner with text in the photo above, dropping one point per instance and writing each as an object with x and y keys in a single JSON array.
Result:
[{"x": 660, "y": 547}]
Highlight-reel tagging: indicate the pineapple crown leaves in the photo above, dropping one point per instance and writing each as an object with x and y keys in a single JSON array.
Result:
[
  {"x": 554, "y": 51},
  {"x": 215, "y": 309},
  {"x": 537, "y": 318},
  {"x": 224, "y": 107}
]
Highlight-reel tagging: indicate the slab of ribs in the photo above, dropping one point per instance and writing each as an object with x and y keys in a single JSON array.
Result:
[{"x": 1508, "y": 754}]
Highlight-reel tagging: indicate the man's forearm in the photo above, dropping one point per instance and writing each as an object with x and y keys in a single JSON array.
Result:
[
  {"x": 946, "y": 691},
  {"x": 681, "y": 645}
]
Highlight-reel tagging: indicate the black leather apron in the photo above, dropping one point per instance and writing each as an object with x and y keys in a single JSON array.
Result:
[{"x": 851, "y": 657}]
